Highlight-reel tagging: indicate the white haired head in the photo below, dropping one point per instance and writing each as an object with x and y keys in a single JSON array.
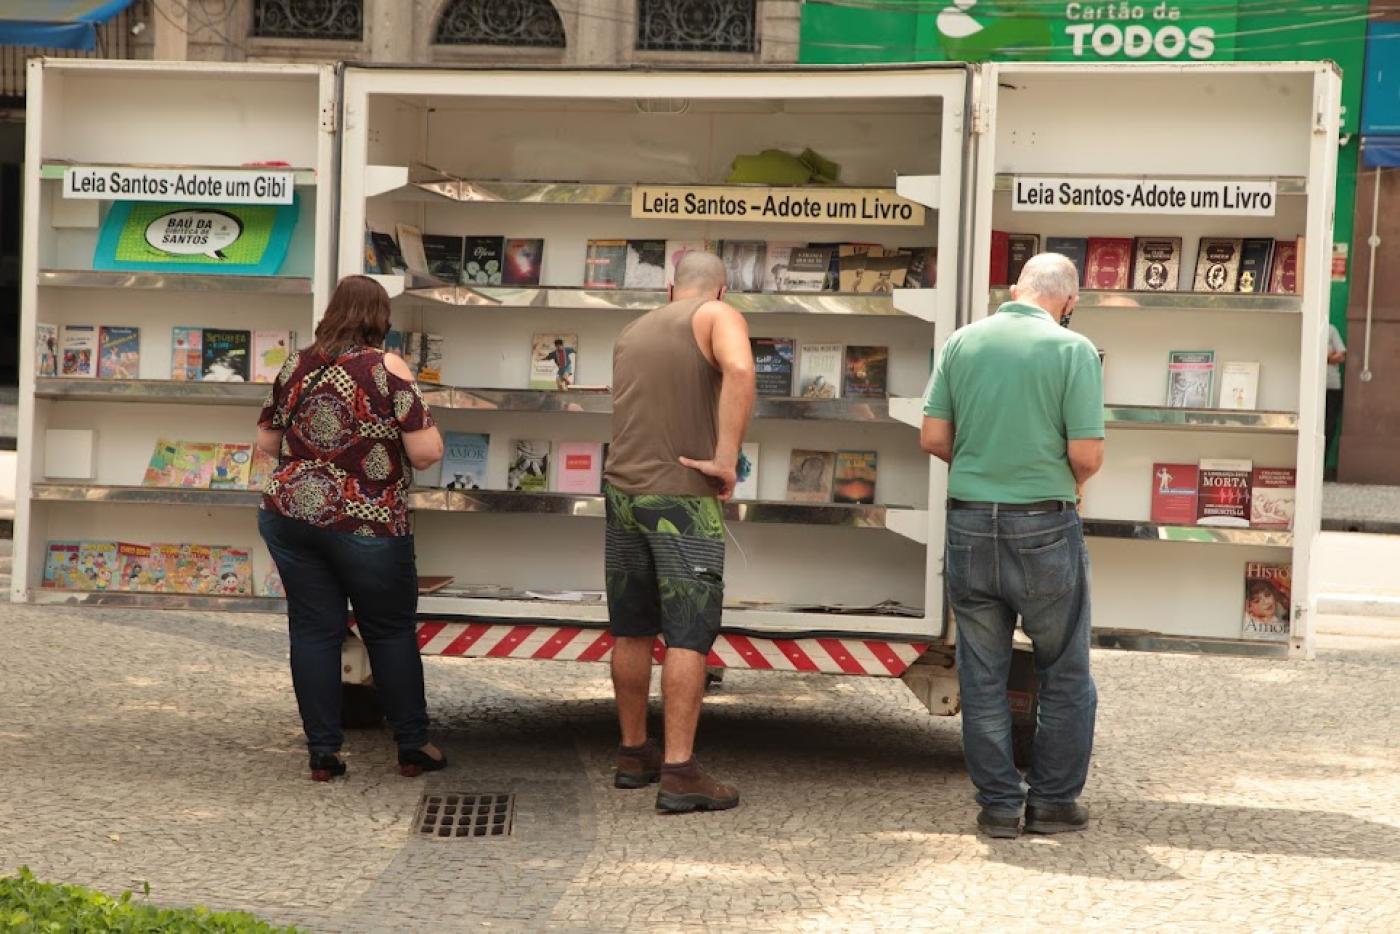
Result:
[{"x": 1049, "y": 281}]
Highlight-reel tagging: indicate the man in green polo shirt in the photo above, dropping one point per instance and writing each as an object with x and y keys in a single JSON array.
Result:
[{"x": 1016, "y": 409}]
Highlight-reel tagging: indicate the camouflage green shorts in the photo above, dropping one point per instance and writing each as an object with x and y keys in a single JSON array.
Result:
[{"x": 665, "y": 567}]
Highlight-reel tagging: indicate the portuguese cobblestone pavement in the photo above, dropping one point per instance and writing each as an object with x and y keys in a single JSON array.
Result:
[{"x": 1227, "y": 794}]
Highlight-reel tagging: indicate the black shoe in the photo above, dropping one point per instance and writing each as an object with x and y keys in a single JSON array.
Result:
[
  {"x": 325, "y": 767},
  {"x": 1003, "y": 828},
  {"x": 1056, "y": 818},
  {"x": 414, "y": 762}
]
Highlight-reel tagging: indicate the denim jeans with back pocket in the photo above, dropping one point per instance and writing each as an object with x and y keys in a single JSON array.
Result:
[{"x": 1000, "y": 566}]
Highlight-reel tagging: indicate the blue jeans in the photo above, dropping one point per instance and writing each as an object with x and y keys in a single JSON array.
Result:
[
  {"x": 1034, "y": 565},
  {"x": 321, "y": 569}
]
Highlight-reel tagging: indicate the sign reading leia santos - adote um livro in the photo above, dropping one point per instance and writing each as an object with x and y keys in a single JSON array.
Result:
[
  {"x": 200, "y": 186},
  {"x": 777, "y": 205},
  {"x": 1229, "y": 197}
]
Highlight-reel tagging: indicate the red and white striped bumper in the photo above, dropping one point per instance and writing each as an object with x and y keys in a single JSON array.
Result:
[{"x": 837, "y": 656}]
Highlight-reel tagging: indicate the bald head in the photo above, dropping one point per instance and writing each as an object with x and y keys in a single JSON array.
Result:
[
  {"x": 1049, "y": 281},
  {"x": 699, "y": 273}
]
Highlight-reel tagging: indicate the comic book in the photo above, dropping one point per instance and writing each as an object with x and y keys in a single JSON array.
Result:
[
  {"x": 193, "y": 466},
  {"x": 161, "y": 470},
  {"x": 138, "y": 573},
  {"x": 61, "y": 567},
  {"x": 188, "y": 568},
  {"x": 233, "y": 570},
  {"x": 98, "y": 564},
  {"x": 232, "y": 467},
  {"x": 261, "y": 469}
]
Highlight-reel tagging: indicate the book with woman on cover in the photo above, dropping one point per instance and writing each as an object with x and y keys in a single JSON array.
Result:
[{"x": 1268, "y": 591}]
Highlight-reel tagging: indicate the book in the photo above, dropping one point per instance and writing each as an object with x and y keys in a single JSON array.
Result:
[
  {"x": 225, "y": 356},
  {"x": 1273, "y": 497},
  {"x": 138, "y": 571},
  {"x": 1256, "y": 256},
  {"x": 522, "y": 260},
  {"x": 482, "y": 261},
  {"x": 1174, "y": 490},
  {"x": 646, "y": 264},
  {"x": 850, "y": 265},
  {"x": 854, "y": 477},
  {"x": 883, "y": 272},
  {"x": 772, "y": 364},
  {"x": 423, "y": 353},
  {"x": 443, "y": 253},
  {"x": 161, "y": 469},
  {"x": 777, "y": 259},
  {"x": 232, "y": 569},
  {"x": 553, "y": 361},
  {"x": 271, "y": 585},
  {"x": 118, "y": 352},
  {"x": 605, "y": 264},
  {"x": 923, "y": 268},
  {"x": 410, "y": 241},
  {"x": 270, "y": 352},
  {"x": 79, "y": 355},
  {"x": 167, "y": 557},
  {"x": 386, "y": 253},
  {"x": 807, "y": 269},
  {"x": 1189, "y": 374},
  {"x": 832, "y": 282},
  {"x": 746, "y": 472},
  {"x": 233, "y": 465},
  {"x": 371, "y": 258},
  {"x": 464, "y": 460},
  {"x": 999, "y": 268},
  {"x": 1076, "y": 249},
  {"x": 1268, "y": 592},
  {"x": 1157, "y": 264},
  {"x": 1283, "y": 276},
  {"x": 1020, "y": 247},
  {"x": 743, "y": 264},
  {"x": 186, "y": 353},
  {"x": 188, "y": 568},
  {"x": 810, "y": 475},
  {"x": 261, "y": 469},
  {"x": 578, "y": 466},
  {"x": 819, "y": 373},
  {"x": 193, "y": 464},
  {"x": 675, "y": 252},
  {"x": 529, "y": 466},
  {"x": 867, "y": 373},
  {"x": 45, "y": 350},
  {"x": 1108, "y": 263},
  {"x": 1217, "y": 264},
  {"x": 1239, "y": 385},
  {"x": 1222, "y": 496},
  {"x": 394, "y": 343},
  {"x": 98, "y": 565},
  {"x": 61, "y": 567}
]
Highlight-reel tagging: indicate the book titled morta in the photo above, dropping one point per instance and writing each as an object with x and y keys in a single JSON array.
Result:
[
  {"x": 1108, "y": 263},
  {"x": 855, "y": 475},
  {"x": 1218, "y": 264},
  {"x": 1268, "y": 596},
  {"x": 1174, "y": 491},
  {"x": 1157, "y": 264},
  {"x": 772, "y": 362},
  {"x": 1076, "y": 248},
  {"x": 1222, "y": 497}
]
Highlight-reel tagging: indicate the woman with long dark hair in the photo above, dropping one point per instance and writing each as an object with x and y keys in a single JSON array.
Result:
[{"x": 348, "y": 425}]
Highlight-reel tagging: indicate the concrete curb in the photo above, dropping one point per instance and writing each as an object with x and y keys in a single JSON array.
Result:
[{"x": 1359, "y": 604}]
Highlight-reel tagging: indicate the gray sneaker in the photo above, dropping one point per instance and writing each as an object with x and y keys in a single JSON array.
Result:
[{"x": 1056, "y": 818}]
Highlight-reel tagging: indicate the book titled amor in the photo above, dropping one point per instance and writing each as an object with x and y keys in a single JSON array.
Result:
[
  {"x": 578, "y": 466},
  {"x": 772, "y": 363},
  {"x": 1217, "y": 264},
  {"x": 1157, "y": 264},
  {"x": 819, "y": 375},
  {"x": 810, "y": 475},
  {"x": 1108, "y": 263},
  {"x": 1268, "y": 597},
  {"x": 1222, "y": 497},
  {"x": 1273, "y": 497},
  {"x": 464, "y": 460},
  {"x": 854, "y": 477},
  {"x": 1174, "y": 489}
]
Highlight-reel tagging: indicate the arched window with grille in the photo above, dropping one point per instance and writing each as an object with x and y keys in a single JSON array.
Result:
[
  {"x": 523, "y": 23},
  {"x": 340, "y": 20},
  {"x": 696, "y": 25}
]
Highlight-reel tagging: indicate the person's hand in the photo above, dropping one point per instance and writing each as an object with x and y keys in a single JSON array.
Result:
[{"x": 721, "y": 476}]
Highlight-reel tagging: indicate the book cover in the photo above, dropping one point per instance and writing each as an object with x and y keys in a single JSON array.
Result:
[
  {"x": 1273, "y": 497},
  {"x": 1108, "y": 263},
  {"x": 605, "y": 264},
  {"x": 807, "y": 269},
  {"x": 772, "y": 363},
  {"x": 578, "y": 466},
  {"x": 675, "y": 252},
  {"x": 186, "y": 354},
  {"x": 850, "y": 264},
  {"x": 387, "y": 255},
  {"x": 394, "y": 342},
  {"x": 923, "y": 268},
  {"x": 819, "y": 373},
  {"x": 464, "y": 460},
  {"x": 1189, "y": 375},
  {"x": 867, "y": 372},
  {"x": 443, "y": 253},
  {"x": 424, "y": 355},
  {"x": 855, "y": 474},
  {"x": 410, "y": 240},
  {"x": 529, "y": 466},
  {"x": 746, "y": 472},
  {"x": 1268, "y": 593},
  {"x": 99, "y": 565},
  {"x": 777, "y": 259},
  {"x": 1020, "y": 247},
  {"x": 161, "y": 469},
  {"x": 226, "y": 356},
  {"x": 261, "y": 468},
  {"x": 270, "y": 351},
  {"x": 190, "y": 569},
  {"x": 61, "y": 566},
  {"x": 1174, "y": 489},
  {"x": 1217, "y": 264},
  {"x": 193, "y": 464},
  {"x": 45, "y": 350},
  {"x": 1076, "y": 249},
  {"x": 553, "y": 361},
  {"x": 646, "y": 264},
  {"x": 810, "y": 475},
  {"x": 1256, "y": 255},
  {"x": 1157, "y": 264},
  {"x": 271, "y": 585},
  {"x": 883, "y": 272},
  {"x": 138, "y": 572},
  {"x": 1222, "y": 497},
  {"x": 522, "y": 261},
  {"x": 233, "y": 465},
  {"x": 999, "y": 270},
  {"x": 371, "y": 258},
  {"x": 233, "y": 571},
  {"x": 743, "y": 264},
  {"x": 167, "y": 557},
  {"x": 79, "y": 343},
  {"x": 1283, "y": 276},
  {"x": 482, "y": 259},
  {"x": 118, "y": 352},
  {"x": 832, "y": 282},
  {"x": 1239, "y": 385}
]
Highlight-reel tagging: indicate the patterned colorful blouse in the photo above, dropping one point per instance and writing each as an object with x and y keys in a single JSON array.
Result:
[{"x": 343, "y": 465}]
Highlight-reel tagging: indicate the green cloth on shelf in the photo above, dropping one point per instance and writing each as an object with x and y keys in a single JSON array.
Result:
[{"x": 776, "y": 167}]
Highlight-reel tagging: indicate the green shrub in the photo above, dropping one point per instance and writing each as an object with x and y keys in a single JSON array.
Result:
[{"x": 28, "y": 905}]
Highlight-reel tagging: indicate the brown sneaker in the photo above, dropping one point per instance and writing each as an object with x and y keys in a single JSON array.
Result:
[
  {"x": 687, "y": 787},
  {"x": 638, "y": 766}
]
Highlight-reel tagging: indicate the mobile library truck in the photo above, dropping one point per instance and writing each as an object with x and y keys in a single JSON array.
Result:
[{"x": 519, "y": 218}]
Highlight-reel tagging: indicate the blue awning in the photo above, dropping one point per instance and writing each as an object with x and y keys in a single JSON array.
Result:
[
  {"x": 56, "y": 24},
  {"x": 1380, "y": 152}
]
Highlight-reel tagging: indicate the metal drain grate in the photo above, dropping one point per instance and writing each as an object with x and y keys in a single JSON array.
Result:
[{"x": 463, "y": 816}]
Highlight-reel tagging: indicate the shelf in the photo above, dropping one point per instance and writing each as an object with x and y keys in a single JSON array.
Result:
[
  {"x": 53, "y": 171},
  {"x": 1246, "y": 302},
  {"x": 158, "y": 601},
  {"x": 73, "y": 389},
  {"x": 175, "y": 281},
  {"x": 54, "y": 492},
  {"x": 1197, "y": 534},
  {"x": 1287, "y": 184},
  {"x": 1168, "y": 419},
  {"x": 1137, "y": 641}
]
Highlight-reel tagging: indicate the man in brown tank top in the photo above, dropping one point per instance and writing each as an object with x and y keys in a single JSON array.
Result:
[{"x": 683, "y": 388}]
